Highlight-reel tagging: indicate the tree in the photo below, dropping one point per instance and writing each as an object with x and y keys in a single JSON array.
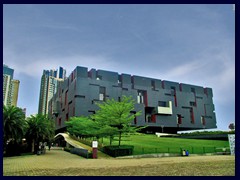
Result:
[
  {"x": 40, "y": 128},
  {"x": 85, "y": 127},
  {"x": 117, "y": 115},
  {"x": 231, "y": 126},
  {"x": 81, "y": 126},
  {"x": 14, "y": 124}
]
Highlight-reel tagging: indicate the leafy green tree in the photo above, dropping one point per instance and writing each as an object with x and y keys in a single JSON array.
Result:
[
  {"x": 85, "y": 127},
  {"x": 231, "y": 126},
  {"x": 81, "y": 126},
  {"x": 113, "y": 118},
  {"x": 117, "y": 115},
  {"x": 14, "y": 124},
  {"x": 40, "y": 128},
  {"x": 107, "y": 131}
]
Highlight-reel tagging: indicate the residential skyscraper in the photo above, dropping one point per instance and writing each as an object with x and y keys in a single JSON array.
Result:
[
  {"x": 49, "y": 83},
  {"x": 10, "y": 87},
  {"x": 6, "y": 89},
  {"x": 8, "y": 71},
  {"x": 14, "y": 92},
  {"x": 62, "y": 73}
]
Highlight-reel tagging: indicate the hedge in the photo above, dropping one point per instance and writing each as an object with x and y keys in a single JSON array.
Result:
[{"x": 115, "y": 151}]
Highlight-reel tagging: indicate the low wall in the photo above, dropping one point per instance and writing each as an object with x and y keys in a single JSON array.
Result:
[{"x": 80, "y": 152}]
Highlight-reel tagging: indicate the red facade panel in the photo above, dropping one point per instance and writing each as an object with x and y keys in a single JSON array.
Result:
[
  {"x": 153, "y": 118},
  {"x": 192, "y": 116}
]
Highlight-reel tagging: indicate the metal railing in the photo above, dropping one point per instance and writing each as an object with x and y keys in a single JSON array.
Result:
[{"x": 191, "y": 150}]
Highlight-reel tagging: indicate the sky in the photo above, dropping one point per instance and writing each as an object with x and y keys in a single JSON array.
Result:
[{"x": 192, "y": 44}]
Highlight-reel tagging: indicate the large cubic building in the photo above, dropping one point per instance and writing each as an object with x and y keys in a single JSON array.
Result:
[
  {"x": 49, "y": 83},
  {"x": 165, "y": 106},
  {"x": 10, "y": 87}
]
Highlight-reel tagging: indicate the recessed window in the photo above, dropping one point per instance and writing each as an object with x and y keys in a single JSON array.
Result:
[
  {"x": 150, "y": 115},
  {"x": 193, "y": 90},
  {"x": 102, "y": 93},
  {"x": 163, "y": 104},
  {"x": 101, "y": 97},
  {"x": 59, "y": 121},
  {"x": 91, "y": 112},
  {"x": 153, "y": 85},
  {"x": 66, "y": 97},
  {"x": 79, "y": 96},
  {"x": 179, "y": 119},
  {"x": 203, "y": 121},
  {"x": 192, "y": 103},
  {"x": 135, "y": 118},
  {"x": 119, "y": 79},
  {"x": 141, "y": 96}
]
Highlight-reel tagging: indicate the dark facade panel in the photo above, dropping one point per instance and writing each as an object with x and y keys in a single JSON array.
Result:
[
  {"x": 81, "y": 72},
  {"x": 107, "y": 76},
  {"x": 165, "y": 104},
  {"x": 170, "y": 85},
  {"x": 156, "y": 84},
  {"x": 125, "y": 78},
  {"x": 141, "y": 82},
  {"x": 92, "y": 74}
]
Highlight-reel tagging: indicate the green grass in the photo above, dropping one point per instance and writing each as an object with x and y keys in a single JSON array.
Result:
[{"x": 147, "y": 144}]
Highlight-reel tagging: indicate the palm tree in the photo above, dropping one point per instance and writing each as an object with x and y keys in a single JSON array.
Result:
[
  {"x": 14, "y": 125},
  {"x": 40, "y": 128}
]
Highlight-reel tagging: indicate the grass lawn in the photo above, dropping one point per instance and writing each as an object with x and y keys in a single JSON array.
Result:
[{"x": 146, "y": 144}]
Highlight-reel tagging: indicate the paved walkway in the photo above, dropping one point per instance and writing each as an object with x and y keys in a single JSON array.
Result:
[
  {"x": 33, "y": 165},
  {"x": 61, "y": 163}
]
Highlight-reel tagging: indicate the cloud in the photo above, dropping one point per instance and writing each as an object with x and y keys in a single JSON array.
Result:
[
  {"x": 185, "y": 70},
  {"x": 35, "y": 66},
  {"x": 193, "y": 45},
  {"x": 215, "y": 70}
]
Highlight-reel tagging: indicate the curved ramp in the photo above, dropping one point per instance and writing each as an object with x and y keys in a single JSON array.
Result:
[
  {"x": 69, "y": 140},
  {"x": 77, "y": 144}
]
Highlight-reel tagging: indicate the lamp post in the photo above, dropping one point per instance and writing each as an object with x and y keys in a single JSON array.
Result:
[{"x": 162, "y": 126}]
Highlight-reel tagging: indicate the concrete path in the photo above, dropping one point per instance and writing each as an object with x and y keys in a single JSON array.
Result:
[{"x": 35, "y": 165}]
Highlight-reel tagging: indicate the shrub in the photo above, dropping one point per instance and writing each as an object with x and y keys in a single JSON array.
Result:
[
  {"x": 13, "y": 149},
  {"x": 116, "y": 151},
  {"x": 68, "y": 149}
]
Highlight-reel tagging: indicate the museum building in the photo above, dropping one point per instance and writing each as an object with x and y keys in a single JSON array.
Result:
[{"x": 166, "y": 106}]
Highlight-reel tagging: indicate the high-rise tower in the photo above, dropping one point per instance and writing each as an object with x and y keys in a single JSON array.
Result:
[
  {"x": 49, "y": 82},
  {"x": 10, "y": 87}
]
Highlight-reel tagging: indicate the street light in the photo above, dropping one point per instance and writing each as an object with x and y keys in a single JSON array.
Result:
[{"x": 162, "y": 126}]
